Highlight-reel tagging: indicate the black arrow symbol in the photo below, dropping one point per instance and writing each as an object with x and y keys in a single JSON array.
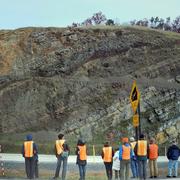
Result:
[{"x": 134, "y": 94}]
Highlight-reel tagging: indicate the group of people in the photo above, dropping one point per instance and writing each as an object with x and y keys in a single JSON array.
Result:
[
  {"x": 62, "y": 151},
  {"x": 134, "y": 155},
  {"x": 131, "y": 154}
]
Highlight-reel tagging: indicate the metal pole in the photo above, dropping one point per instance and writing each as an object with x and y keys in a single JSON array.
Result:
[
  {"x": 139, "y": 113},
  {"x": 136, "y": 132}
]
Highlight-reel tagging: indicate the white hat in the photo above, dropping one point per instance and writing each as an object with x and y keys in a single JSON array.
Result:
[{"x": 132, "y": 139}]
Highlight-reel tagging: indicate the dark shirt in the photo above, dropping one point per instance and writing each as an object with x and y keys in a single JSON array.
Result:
[{"x": 173, "y": 152}]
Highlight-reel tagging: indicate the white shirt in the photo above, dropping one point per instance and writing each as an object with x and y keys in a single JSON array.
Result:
[{"x": 116, "y": 161}]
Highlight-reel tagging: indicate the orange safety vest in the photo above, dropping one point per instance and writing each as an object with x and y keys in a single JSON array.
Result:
[
  {"x": 133, "y": 144},
  {"x": 59, "y": 146},
  {"x": 28, "y": 149},
  {"x": 82, "y": 152},
  {"x": 126, "y": 152},
  {"x": 153, "y": 151},
  {"x": 107, "y": 154},
  {"x": 142, "y": 148}
]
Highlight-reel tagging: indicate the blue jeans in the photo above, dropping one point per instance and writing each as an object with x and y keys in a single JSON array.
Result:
[
  {"x": 142, "y": 167},
  {"x": 82, "y": 171},
  {"x": 60, "y": 160},
  {"x": 173, "y": 168},
  {"x": 134, "y": 168}
]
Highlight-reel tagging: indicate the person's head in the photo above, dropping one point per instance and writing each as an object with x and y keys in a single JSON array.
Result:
[
  {"x": 61, "y": 136},
  {"x": 132, "y": 139},
  {"x": 152, "y": 141},
  {"x": 125, "y": 140},
  {"x": 142, "y": 136},
  {"x": 174, "y": 142},
  {"x": 29, "y": 137},
  {"x": 106, "y": 144},
  {"x": 81, "y": 142}
]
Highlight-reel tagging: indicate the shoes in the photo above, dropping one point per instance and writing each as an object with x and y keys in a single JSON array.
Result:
[
  {"x": 168, "y": 176},
  {"x": 174, "y": 176},
  {"x": 54, "y": 177},
  {"x": 155, "y": 176},
  {"x": 151, "y": 177}
]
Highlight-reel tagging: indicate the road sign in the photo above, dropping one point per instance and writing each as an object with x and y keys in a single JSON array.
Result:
[
  {"x": 135, "y": 120},
  {"x": 134, "y": 97}
]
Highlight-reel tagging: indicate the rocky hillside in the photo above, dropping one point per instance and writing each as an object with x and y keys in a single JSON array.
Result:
[{"x": 78, "y": 81}]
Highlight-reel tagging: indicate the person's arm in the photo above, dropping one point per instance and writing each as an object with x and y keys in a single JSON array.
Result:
[
  {"x": 135, "y": 149},
  {"x": 131, "y": 153},
  {"x": 35, "y": 149},
  {"x": 115, "y": 156},
  {"x": 168, "y": 153},
  {"x": 112, "y": 152},
  {"x": 120, "y": 152},
  {"x": 102, "y": 154},
  {"x": 77, "y": 151},
  {"x": 66, "y": 148},
  {"x": 22, "y": 150},
  {"x": 148, "y": 151}
]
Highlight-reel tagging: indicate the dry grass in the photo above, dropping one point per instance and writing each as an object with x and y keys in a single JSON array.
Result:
[{"x": 48, "y": 174}]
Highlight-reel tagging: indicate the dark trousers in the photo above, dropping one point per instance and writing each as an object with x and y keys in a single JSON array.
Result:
[
  {"x": 29, "y": 165},
  {"x": 82, "y": 171},
  {"x": 36, "y": 169},
  {"x": 61, "y": 160},
  {"x": 142, "y": 166},
  {"x": 117, "y": 174},
  {"x": 108, "y": 166}
]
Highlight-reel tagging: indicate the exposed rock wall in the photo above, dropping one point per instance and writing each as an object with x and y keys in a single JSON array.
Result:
[{"x": 79, "y": 80}]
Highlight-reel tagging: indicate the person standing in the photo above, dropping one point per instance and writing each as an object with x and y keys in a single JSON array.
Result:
[
  {"x": 62, "y": 152},
  {"x": 173, "y": 154},
  {"x": 153, "y": 155},
  {"x": 134, "y": 163},
  {"x": 81, "y": 152},
  {"x": 141, "y": 152},
  {"x": 29, "y": 150},
  {"x": 107, "y": 155},
  {"x": 125, "y": 154},
  {"x": 116, "y": 164}
]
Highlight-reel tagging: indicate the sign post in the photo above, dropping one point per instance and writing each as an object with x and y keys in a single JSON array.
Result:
[{"x": 135, "y": 103}]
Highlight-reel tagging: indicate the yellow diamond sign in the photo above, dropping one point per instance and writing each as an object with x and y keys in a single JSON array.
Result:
[
  {"x": 134, "y": 97},
  {"x": 135, "y": 120}
]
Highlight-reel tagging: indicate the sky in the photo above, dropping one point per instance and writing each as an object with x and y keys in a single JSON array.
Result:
[{"x": 61, "y": 13}]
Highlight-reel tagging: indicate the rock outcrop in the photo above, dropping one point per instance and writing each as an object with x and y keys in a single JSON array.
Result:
[{"x": 78, "y": 80}]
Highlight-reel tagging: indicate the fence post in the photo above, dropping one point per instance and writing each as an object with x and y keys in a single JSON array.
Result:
[
  {"x": 2, "y": 163},
  {"x": 94, "y": 153},
  {"x": 165, "y": 151}
]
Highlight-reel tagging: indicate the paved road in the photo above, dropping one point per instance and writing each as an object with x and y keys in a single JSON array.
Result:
[
  {"x": 51, "y": 158},
  {"x": 15, "y": 162}
]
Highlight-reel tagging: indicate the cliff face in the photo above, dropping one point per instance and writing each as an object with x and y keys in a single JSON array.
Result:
[{"x": 79, "y": 80}]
